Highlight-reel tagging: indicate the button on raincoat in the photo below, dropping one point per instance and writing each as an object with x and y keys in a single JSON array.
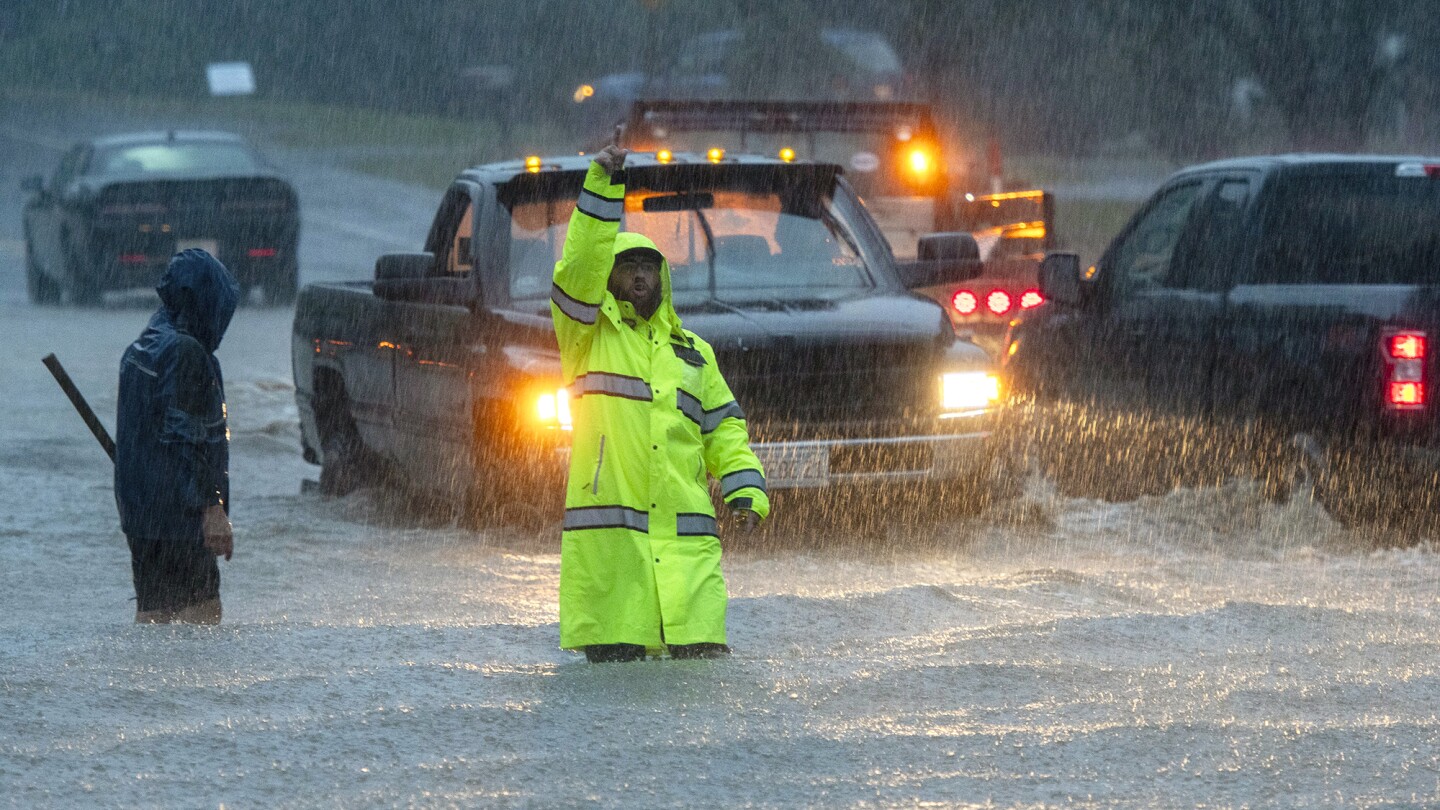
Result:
[{"x": 640, "y": 553}]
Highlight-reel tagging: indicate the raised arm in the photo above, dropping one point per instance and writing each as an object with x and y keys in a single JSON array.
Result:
[{"x": 583, "y": 271}]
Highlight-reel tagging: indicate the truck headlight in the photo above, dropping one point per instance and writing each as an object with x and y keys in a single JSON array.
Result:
[
  {"x": 967, "y": 390},
  {"x": 553, "y": 409}
]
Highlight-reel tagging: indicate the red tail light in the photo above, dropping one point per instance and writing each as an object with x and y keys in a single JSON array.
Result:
[
  {"x": 1404, "y": 355},
  {"x": 1407, "y": 394},
  {"x": 133, "y": 258},
  {"x": 1031, "y": 299},
  {"x": 965, "y": 302},
  {"x": 998, "y": 302},
  {"x": 1407, "y": 346},
  {"x": 261, "y": 253}
]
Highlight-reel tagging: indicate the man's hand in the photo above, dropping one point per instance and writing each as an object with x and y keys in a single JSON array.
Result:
[
  {"x": 219, "y": 538},
  {"x": 612, "y": 157},
  {"x": 744, "y": 519}
]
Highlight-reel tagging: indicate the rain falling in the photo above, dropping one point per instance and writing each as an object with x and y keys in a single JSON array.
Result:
[{"x": 1006, "y": 406}]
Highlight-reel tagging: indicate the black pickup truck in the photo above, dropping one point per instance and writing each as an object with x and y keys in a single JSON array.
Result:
[
  {"x": 444, "y": 369},
  {"x": 1269, "y": 316}
]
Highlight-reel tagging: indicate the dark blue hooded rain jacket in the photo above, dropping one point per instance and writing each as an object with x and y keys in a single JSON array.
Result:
[{"x": 172, "y": 445}]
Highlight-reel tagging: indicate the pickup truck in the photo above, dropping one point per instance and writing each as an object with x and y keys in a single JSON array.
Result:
[
  {"x": 1268, "y": 316},
  {"x": 443, "y": 371}
]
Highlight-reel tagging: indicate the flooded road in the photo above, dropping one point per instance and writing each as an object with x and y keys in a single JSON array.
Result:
[{"x": 1199, "y": 649}]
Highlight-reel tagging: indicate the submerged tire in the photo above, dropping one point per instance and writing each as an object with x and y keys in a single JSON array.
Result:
[{"x": 340, "y": 468}]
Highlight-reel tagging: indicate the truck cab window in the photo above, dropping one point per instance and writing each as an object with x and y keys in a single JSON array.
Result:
[
  {"x": 1142, "y": 261},
  {"x": 1206, "y": 250}
]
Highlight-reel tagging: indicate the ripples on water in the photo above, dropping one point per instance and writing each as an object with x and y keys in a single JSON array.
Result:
[{"x": 1204, "y": 648}]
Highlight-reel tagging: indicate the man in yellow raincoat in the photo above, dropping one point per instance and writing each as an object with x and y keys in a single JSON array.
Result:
[{"x": 640, "y": 551}]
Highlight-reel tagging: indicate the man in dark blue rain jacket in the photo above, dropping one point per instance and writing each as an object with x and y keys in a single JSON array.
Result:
[{"x": 172, "y": 448}]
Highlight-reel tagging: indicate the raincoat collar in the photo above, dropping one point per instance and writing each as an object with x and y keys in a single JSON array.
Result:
[{"x": 199, "y": 295}]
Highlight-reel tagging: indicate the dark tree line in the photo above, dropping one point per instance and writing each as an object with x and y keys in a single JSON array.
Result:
[{"x": 1185, "y": 77}]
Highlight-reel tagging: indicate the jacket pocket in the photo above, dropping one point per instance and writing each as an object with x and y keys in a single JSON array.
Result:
[{"x": 599, "y": 463}]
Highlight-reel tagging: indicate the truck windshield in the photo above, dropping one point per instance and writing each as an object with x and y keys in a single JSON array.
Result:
[
  {"x": 739, "y": 244},
  {"x": 1351, "y": 228}
]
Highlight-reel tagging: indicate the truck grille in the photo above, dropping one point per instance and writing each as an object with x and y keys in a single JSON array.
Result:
[{"x": 833, "y": 391}]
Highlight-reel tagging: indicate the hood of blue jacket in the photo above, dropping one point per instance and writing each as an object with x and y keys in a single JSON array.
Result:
[{"x": 200, "y": 295}]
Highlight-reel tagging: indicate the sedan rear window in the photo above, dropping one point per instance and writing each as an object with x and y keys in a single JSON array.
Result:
[
  {"x": 198, "y": 157},
  {"x": 1354, "y": 227}
]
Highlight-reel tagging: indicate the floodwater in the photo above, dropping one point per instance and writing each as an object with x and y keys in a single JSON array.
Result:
[{"x": 1203, "y": 649}]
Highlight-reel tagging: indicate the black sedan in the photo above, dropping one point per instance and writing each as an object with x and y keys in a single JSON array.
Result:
[{"x": 117, "y": 207}]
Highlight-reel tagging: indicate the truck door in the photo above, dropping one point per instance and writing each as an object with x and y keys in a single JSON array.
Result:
[
  {"x": 433, "y": 357},
  {"x": 1147, "y": 330},
  {"x": 1170, "y": 322}
]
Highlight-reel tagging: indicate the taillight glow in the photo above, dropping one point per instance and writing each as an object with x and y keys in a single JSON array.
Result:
[
  {"x": 1407, "y": 394},
  {"x": 133, "y": 258},
  {"x": 1407, "y": 346},
  {"x": 1404, "y": 353},
  {"x": 261, "y": 253},
  {"x": 965, "y": 302},
  {"x": 998, "y": 302},
  {"x": 1031, "y": 299}
]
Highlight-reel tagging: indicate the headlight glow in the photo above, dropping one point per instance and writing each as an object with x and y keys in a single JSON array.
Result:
[
  {"x": 962, "y": 390},
  {"x": 553, "y": 410}
]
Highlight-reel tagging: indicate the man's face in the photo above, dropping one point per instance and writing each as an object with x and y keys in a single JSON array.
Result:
[{"x": 637, "y": 279}]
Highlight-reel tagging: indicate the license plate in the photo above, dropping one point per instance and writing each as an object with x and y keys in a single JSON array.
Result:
[
  {"x": 210, "y": 246},
  {"x": 795, "y": 466}
]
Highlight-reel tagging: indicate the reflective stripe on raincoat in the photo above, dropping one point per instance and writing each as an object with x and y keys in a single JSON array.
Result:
[{"x": 640, "y": 553}]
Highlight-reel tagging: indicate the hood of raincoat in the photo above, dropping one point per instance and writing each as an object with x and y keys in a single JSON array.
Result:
[
  {"x": 200, "y": 295},
  {"x": 625, "y": 240}
]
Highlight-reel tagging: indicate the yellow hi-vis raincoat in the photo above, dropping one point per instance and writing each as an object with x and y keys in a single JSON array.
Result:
[{"x": 640, "y": 554}]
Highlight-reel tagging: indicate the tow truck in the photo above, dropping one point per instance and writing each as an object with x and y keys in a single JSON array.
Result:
[{"x": 896, "y": 158}]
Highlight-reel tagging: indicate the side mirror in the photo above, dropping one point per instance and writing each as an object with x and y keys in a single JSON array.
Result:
[
  {"x": 1060, "y": 278},
  {"x": 33, "y": 184},
  {"x": 942, "y": 258},
  {"x": 404, "y": 266}
]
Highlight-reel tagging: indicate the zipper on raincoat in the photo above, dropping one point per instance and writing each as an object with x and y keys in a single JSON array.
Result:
[{"x": 599, "y": 462}]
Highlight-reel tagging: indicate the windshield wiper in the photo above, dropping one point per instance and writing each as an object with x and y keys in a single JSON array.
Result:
[{"x": 709, "y": 251}]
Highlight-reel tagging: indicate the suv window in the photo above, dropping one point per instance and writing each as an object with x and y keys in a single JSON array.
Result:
[
  {"x": 1364, "y": 226},
  {"x": 1142, "y": 259}
]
